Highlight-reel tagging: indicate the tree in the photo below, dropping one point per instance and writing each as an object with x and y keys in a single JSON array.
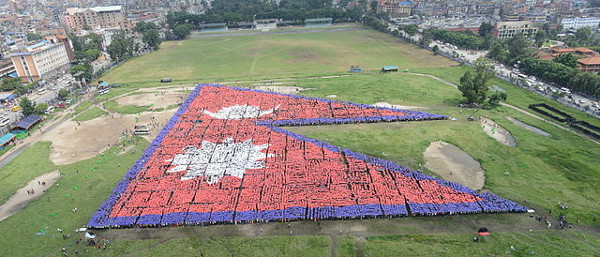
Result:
[
  {"x": 540, "y": 38},
  {"x": 84, "y": 67},
  {"x": 474, "y": 85},
  {"x": 151, "y": 38},
  {"x": 27, "y": 106},
  {"x": 518, "y": 46},
  {"x": 182, "y": 31},
  {"x": 435, "y": 49},
  {"x": 498, "y": 53},
  {"x": 92, "y": 54},
  {"x": 485, "y": 29},
  {"x": 63, "y": 94},
  {"x": 121, "y": 47},
  {"x": 33, "y": 37},
  {"x": 566, "y": 59},
  {"x": 9, "y": 84},
  {"x": 495, "y": 99},
  {"x": 41, "y": 108}
]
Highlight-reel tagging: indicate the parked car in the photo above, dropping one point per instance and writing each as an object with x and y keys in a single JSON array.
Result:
[
  {"x": 60, "y": 105},
  {"x": 4, "y": 121}
]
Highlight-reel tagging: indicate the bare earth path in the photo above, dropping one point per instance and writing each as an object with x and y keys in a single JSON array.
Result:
[
  {"x": 496, "y": 132},
  {"x": 21, "y": 197},
  {"x": 454, "y": 165}
]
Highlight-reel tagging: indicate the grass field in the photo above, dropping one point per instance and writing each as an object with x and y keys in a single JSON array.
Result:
[
  {"x": 269, "y": 56},
  {"x": 542, "y": 171},
  {"x": 90, "y": 114}
]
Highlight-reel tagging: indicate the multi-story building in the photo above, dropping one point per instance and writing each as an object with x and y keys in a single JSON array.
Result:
[
  {"x": 395, "y": 8},
  {"x": 510, "y": 29},
  {"x": 578, "y": 23},
  {"x": 77, "y": 19},
  {"x": 41, "y": 60}
]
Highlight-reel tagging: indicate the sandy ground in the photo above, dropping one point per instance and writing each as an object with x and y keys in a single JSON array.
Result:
[
  {"x": 455, "y": 165},
  {"x": 501, "y": 135},
  {"x": 158, "y": 100},
  {"x": 282, "y": 89},
  {"x": 529, "y": 127},
  {"x": 72, "y": 142},
  {"x": 21, "y": 198},
  {"x": 388, "y": 105}
]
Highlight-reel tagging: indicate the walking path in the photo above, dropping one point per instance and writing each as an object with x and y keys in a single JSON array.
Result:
[{"x": 24, "y": 195}]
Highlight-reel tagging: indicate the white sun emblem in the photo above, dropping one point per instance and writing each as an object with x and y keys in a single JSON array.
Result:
[
  {"x": 216, "y": 160},
  {"x": 238, "y": 112}
]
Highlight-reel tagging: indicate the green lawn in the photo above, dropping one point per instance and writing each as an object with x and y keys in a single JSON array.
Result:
[
  {"x": 90, "y": 114},
  {"x": 270, "y": 56},
  {"x": 81, "y": 107},
  {"x": 537, "y": 243},
  {"x": 83, "y": 185}
]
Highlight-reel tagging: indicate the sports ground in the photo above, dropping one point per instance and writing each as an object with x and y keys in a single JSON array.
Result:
[{"x": 538, "y": 173}]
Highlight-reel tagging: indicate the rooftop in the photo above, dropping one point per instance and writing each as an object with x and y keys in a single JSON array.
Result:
[
  {"x": 590, "y": 61},
  {"x": 113, "y": 8}
]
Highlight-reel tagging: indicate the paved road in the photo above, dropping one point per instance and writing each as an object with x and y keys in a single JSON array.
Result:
[{"x": 199, "y": 35}]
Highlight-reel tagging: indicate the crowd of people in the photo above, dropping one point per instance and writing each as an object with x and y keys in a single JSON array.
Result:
[{"x": 299, "y": 178}]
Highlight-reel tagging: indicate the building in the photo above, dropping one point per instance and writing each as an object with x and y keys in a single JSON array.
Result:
[
  {"x": 511, "y": 28},
  {"x": 43, "y": 59},
  {"x": 213, "y": 27},
  {"x": 77, "y": 19},
  {"x": 67, "y": 42},
  {"x": 578, "y": 23},
  {"x": 266, "y": 24},
  {"x": 589, "y": 64},
  {"x": 319, "y": 22},
  {"x": 395, "y": 8},
  {"x": 582, "y": 51}
]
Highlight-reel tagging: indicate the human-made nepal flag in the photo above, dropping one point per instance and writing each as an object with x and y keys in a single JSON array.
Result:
[{"x": 224, "y": 158}]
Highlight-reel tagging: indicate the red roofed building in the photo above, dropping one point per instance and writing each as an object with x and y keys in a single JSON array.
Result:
[{"x": 589, "y": 64}]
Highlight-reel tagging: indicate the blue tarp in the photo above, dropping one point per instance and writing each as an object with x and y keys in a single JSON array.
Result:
[
  {"x": 390, "y": 67},
  {"x": 6, "y": 138},
  {"x": 27, "y": 122},
  {"x": 104, "y": 84}
]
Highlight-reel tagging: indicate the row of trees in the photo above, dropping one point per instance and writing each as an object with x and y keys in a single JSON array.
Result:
[
  {"x": 559, "y": 73},
  {"x": 561, "y": 70},
  {"x": 466, "y": 39},
  {"x": 234, "y": 12}
]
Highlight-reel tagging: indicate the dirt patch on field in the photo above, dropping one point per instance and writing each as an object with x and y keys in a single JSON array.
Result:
[
  {"x": 528, "y": 127},
  {"x": 158, "y": 100},
  {"x": 24, "y": 195},
  {"x": 75, "y": 141},
  {"x": 388, "y": 105},
  {"x": 495, "y": 131},
  {"x": 454, "y": 165},
  {"x": 282, "y": 89}
]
